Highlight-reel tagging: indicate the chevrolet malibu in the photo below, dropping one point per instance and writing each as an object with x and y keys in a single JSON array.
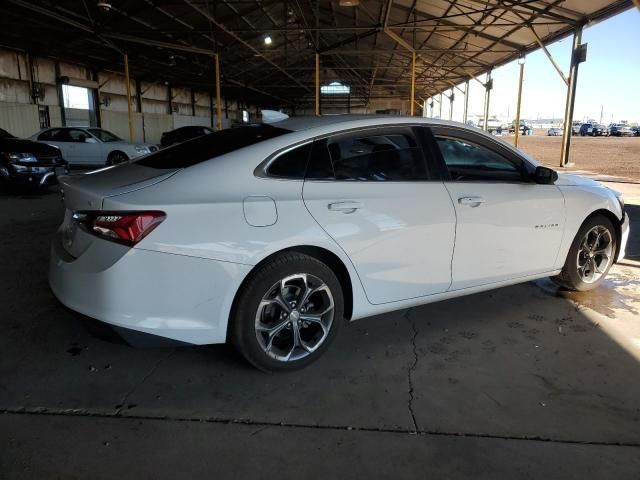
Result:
[{"x": 271, "y": 236}]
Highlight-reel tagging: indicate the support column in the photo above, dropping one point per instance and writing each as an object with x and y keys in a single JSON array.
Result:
[
  {"x": 571, "y": 98},
  {"x": 440, "y": 107},
  {"x": 129, "y": 109},
  {"x": 517, "y": 126},
  {"x": 451, "y": 98},
  {"x": 213, "y": 121},
  {"x": 466, "y": 102},
  {"x": 218, "y": 99},
  {"x": 59, "y": 89},
  {"x": 487, "y": 98},
  {"x": 413, "y": 82},
  {"x": 317, "y": 84}
]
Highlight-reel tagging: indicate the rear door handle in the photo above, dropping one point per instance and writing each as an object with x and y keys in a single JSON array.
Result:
[
  {"x": 471, "y": 201},
  {"x": 344, "y": 207}
]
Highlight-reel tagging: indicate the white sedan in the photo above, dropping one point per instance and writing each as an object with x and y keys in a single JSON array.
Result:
[
  {"x": 270, "y": 236},
  {"x": 92, "y": 147}
]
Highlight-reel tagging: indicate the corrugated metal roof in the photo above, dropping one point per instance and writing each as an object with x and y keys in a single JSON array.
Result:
[{"x": 171, "y": 40}]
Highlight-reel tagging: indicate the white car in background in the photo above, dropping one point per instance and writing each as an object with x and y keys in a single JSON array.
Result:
[
  {"x": 271, "y": 236},
  {"x": 89, "y": 146}
]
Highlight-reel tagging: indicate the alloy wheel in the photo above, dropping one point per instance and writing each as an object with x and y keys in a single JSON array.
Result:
[
  {"x": 294, "y": 317},
  {"x": 595, "y": 254}
]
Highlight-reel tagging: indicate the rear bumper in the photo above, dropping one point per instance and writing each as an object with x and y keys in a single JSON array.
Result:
[{"x": 182, "y": 298}]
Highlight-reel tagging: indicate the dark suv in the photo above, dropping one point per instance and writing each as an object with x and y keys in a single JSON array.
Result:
[
  {"x": 27, "y": 163},
  {"x": 594, "y": 129}
]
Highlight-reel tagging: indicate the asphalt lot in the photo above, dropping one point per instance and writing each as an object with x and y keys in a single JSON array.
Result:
[{"x": 520, "y": 382}]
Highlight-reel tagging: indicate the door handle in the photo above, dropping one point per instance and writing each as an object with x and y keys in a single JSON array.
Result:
[
  {"x": 471, "y": 201},
  {"x": 344, "y": 207}
]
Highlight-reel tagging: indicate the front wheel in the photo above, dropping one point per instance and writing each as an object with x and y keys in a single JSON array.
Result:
[
  {"x": 287, "y": 313},
  {"x": 115, "y": 158},
  {"x": 590, "y": 256}
]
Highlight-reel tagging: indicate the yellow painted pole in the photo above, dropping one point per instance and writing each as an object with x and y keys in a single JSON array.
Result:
[
  {"x": 413, "y": 81},
  {"x": 518, "y": 104},
  {"x": 317, "y": 84},
  {"x": 128, "y": 80},
  {"x": 218, "y": 99}
]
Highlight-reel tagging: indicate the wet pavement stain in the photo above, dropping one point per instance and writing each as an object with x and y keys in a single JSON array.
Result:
[{"x": 619, "y": 291}]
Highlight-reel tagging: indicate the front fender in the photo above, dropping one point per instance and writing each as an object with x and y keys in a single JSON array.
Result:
[{"x": 580, "y": 202}]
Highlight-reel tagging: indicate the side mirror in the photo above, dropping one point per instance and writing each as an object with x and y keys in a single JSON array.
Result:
[
  {"x": 90, "y": 140},
  {"x": 545, "y": 176}
]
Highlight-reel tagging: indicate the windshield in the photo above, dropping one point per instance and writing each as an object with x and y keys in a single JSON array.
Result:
[
  {"x": 103, "y": 135},
  {"x": 5, "y": 134},
  {"x": 210, "y": 146}
]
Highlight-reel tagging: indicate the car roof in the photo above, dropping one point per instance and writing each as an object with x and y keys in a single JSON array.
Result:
[{"x": 327, "y": 124}]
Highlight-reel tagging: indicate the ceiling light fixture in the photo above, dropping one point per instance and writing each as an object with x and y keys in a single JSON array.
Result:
[
  {"x": 349, "y": 3},
  {"x": 267, "y": 40},
  {"x": 106, "y": 6}
]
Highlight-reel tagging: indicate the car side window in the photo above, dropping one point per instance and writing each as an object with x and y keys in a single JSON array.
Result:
[
  {"x": 52, "y": 134},
  {"x": 320, "y": 167},
  {"x": 467, "y": 161},
  {"x": 76, "y": 136},
  {"x": 377, "y": 155},
  {"x": 291, "y": 164}
]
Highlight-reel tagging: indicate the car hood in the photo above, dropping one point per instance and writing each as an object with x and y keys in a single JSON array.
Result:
[
  {"x": 87, "y": 191},
  {"x": 573, "y": 180},
  {"x": 19, "y": 145}
]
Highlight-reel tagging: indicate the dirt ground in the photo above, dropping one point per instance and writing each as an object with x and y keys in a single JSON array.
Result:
[{"x": 610, "y": 156}]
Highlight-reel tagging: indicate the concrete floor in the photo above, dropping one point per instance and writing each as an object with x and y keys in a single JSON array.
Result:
[{"x": 521, "y": 382}]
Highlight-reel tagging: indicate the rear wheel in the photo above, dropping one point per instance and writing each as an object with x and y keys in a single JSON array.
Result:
[
  {"x": 288, "y": 313},
  {"x": 115, "y": 158},
  {"x": 590, "y": 256}
]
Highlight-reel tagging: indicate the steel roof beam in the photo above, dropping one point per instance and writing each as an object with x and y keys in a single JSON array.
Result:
[{"x": 240, "y": 40}]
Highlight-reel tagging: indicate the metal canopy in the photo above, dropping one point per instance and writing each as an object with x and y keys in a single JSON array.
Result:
[{"x": 369, "y": 46}]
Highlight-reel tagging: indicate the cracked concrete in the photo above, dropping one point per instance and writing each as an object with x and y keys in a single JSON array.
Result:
[
  {"x": 123, "y": 403},
  {"x": 520, "y": 382},
  {"x": 412, "y": 367}
]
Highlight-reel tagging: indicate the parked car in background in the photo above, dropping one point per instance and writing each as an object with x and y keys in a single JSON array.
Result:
[
  {"x": 636, "y": 131},
  {"x": 494, "y": 125},
  {"x": 92, "y": 147},
  {"x": 183, "y": 134},
  {"x": 525, "y": 128},
  {"x": 554, "y": 132},
  {"x": 271, "y": 237},
  {"x": 575, "y": 127},
  {"x": 594, "y": 129},
  {"x": 27, "y": 163},
  {"x": 620, "y": 130}
]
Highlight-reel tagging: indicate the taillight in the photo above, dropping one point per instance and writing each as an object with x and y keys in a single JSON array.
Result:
[{"x": 123, "y": 227}]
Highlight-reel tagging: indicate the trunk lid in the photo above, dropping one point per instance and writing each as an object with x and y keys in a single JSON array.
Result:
[{"x": 88, "y": 191}]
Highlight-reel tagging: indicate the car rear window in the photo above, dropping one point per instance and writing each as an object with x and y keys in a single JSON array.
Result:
[{"x": 210, "y": 146}]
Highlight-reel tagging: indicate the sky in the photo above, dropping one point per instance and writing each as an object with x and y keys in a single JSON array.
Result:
[{"x": 608, "y": 80}]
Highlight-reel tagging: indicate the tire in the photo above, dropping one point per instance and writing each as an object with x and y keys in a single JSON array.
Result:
[
  {"x": 116, "y": 157},
  {"x": 257, "y": 313},
  {"x": 574, "y": 275}
]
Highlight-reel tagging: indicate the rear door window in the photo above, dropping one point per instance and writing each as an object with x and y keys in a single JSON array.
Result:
[
  {"x": 379, "y": 155},
  {"x": 53, "y": 134},
  {"x": 211, "y": 146}
]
